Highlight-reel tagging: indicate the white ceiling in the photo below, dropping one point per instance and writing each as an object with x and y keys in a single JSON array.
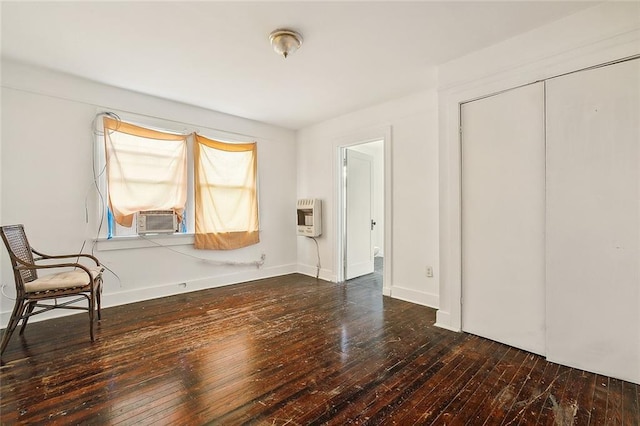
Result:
[{"x": 217, "y": 55}]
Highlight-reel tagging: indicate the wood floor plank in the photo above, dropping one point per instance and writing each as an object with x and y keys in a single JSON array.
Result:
[
  {"x": 467, "y": 414},
  {"x": 614, "y": 402},
  {"x": 538, "y": 393},
  {"x": 523, "y": 386},
  {"x": 559, "y": 409},
  {"x": 509, "y": 396},
  {"x": 599, "y": 404},
  {"x": 406, "y": 386},
  {"x": 501, "y": 392},
  {"x": 551, "y": 411},
  {"x": 407, "y": 397},
  {"x": 578, "y": 396},
  {"x": 454, "y": 413},
  {"x": 630, "y": 407},
  {"x": 353, "y": 380},
  {"x": 287, "y": 350},
  {"x": 389, "y": 409},
  {"x": 372, "y": 386},
  {"x": 436, "y": 398}
]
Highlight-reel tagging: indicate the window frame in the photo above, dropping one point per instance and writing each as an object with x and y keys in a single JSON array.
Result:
[{"x": 126, "y": 238}]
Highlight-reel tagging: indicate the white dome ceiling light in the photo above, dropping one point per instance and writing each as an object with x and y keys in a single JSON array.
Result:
[{"x": 285, "y": 41}]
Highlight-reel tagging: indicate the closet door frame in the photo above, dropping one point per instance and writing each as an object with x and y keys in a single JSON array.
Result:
[{"x": 449, "y": 314}]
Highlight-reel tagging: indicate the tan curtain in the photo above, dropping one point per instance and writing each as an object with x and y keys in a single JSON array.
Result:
[
  {"x": 226, "y": 203},
  {"x": 146, "y": 170}
]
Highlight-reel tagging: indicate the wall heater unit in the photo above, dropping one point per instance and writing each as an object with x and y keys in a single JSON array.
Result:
[{"x": 309, "y": 217}]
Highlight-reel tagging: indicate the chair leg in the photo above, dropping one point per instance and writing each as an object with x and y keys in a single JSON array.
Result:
[
  {"x": 13, "y": 323},
  {"x": 99, "y": 297},
  {"x": 91, "y": 315},
  {"x": 30, "y": 307}
]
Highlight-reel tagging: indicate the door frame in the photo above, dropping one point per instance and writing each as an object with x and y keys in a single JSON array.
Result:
[{"x": 383, "y": 134}]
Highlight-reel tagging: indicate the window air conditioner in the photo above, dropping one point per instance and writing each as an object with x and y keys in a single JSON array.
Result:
[{"x": 157, "y": 222}]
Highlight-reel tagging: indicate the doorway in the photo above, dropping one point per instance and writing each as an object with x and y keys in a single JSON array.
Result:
[{"x": 362, "y": 209}]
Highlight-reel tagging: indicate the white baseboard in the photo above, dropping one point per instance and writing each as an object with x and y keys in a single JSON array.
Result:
[
  {"x": 312, "y": 271},
  {"x": 125, "y": 296},
  {"x": 413, "y": 296},
  {"x": 443, "y": 320},
  {"x": 386, "y": 291}
]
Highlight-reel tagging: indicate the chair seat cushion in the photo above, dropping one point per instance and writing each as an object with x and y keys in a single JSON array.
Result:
[{"x": 63, "y": 280}]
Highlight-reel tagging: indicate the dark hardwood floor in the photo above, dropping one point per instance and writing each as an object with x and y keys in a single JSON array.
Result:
[{"x": 290, "y": 350}]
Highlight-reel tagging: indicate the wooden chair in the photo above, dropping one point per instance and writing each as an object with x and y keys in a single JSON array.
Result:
[{"x": 71, "y": 279}]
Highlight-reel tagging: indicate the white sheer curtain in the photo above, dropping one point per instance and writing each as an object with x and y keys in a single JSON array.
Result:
[
  {"x": 226, "y": 201},
  {"x": 146, "y": 170}
]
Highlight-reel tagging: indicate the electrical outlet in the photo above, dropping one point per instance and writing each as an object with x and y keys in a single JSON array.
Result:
[{"x": 429, "y": 272}]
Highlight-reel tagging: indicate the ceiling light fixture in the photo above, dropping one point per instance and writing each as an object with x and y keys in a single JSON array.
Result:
[{"x": 285, "y": 41}]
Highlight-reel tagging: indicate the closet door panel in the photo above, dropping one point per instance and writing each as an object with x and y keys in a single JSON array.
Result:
[
  {"x": 593, "y": 220},
  {"x": 503, "y": 217}
]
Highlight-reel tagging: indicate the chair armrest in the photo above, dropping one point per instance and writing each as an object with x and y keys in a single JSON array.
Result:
[
  {"x": 64, "y": 256},
  {"x": 26, "y": 265}
]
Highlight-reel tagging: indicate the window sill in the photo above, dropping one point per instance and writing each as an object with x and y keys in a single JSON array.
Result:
[{"x": 136, "y": 241}]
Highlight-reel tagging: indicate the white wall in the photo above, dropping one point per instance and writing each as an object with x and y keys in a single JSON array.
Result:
[
  {"x": 603, "y": 33},
  {"x": 46, "y": 174},
  {"x": 414, "y": 177}
]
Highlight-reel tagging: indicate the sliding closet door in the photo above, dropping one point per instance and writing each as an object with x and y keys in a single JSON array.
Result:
[
  {"x": 593, "y": 239},
  {"x": 503, "y": 201}
]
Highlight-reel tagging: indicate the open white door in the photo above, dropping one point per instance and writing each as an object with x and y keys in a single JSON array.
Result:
[{"x": 359, "y": 224}]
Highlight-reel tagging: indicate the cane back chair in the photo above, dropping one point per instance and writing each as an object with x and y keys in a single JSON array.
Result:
[{"x": 70, "y": 280}]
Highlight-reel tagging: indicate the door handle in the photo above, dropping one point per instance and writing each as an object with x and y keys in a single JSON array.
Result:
[{"x": 373, "y": 223}]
